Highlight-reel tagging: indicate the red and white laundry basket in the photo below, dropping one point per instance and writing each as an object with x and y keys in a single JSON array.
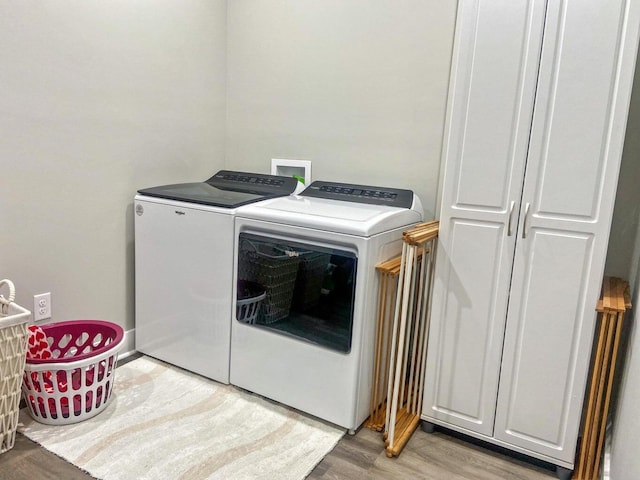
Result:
[{"x": 70, "y": 369}]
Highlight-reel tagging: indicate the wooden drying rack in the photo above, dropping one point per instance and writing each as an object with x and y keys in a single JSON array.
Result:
[
  {"x": 401, "y": 345},
  {"x": 614, "y": 302}
]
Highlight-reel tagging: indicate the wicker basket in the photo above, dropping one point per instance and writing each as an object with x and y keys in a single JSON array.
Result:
[
  {"x": 77, "y": 383},
  {"x": 276, "y": 269},
  {"x": 13, "y": 345}
]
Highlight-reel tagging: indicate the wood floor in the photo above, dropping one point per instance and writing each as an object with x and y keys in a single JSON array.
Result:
[
  {"x": 436, "y": 456},
  {"x": 427, "y": 456}
]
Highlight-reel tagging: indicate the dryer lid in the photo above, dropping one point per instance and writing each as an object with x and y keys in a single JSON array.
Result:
[{"x": 352, "y": 218}]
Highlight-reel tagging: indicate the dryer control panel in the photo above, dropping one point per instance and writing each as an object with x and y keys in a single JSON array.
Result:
[{"x": 346, "y": 192}]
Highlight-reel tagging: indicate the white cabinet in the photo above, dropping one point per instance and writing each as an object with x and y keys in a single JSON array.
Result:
[{"x": 538, "y": 102}]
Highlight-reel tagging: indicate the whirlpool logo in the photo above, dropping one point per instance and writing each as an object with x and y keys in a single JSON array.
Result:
[{"x": 179, "y": 212}]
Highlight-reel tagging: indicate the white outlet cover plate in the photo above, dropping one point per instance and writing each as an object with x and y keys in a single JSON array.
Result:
[{"x": 42, "y": 306}]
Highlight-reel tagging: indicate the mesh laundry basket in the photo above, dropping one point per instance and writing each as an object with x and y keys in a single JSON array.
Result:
[
  {"x": 13, "y": 345},
  {"x": 76, "y": 384}
]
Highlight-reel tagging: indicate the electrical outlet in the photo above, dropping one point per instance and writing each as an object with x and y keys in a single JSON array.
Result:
[{"x": 42, "y": 306}]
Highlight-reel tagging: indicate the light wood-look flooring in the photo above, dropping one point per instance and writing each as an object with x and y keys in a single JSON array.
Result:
[
  {"x": 437, "y": 456},
  {"x": 428, "y": 456}
]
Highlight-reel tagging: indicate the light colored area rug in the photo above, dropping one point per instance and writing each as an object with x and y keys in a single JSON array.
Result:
[{"x": 165, "y": 423}]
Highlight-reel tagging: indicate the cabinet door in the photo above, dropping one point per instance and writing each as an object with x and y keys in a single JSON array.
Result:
[
  {"x": 488, "y": 124},
  {"x": 576, "y": 141}
]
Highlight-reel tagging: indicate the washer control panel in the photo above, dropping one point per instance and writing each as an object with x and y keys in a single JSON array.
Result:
[
  {"x": 253, "y": 181},
  {"x": 393, "y": 197}
]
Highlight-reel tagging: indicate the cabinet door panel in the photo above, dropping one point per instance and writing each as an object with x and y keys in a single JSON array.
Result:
[
  {"x": 570, "y": 142},
  {"x": 570, "y": 182},
  {"x": 542, "y": 348},
  {"x": 488, "y": 125},
  {"x": 463, "y": 376},
  {"x": 489, "y": 117}
]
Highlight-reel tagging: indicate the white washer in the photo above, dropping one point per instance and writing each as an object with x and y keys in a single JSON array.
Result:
[
  {"x": 317, "y": 358},
  {"x": 183, "y": 267}
]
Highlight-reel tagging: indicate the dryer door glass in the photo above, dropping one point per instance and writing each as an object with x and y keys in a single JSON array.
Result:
[{"x": 297, "y": 289}]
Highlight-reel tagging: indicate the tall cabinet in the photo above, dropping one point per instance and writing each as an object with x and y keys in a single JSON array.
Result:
[{"x": 537, "y": 109}]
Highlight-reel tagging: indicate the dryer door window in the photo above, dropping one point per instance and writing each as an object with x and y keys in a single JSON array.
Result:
[{"x": 297, "y": 289}]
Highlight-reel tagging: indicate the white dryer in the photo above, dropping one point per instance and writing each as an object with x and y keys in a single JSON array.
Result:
[
  {"x": 310, "y": 260},
  {"x": 184, "y": 236}
]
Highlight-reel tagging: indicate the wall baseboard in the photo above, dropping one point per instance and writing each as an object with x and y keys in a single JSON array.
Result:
[
  {"x": 129, "y": 347},
  {"x": 605, "y": 474}
]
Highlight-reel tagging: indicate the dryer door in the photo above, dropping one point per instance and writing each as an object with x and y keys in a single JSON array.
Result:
[{"x": 301, "y": 290}]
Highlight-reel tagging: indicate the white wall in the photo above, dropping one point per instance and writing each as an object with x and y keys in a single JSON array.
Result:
[
  {"x": 624, "y": 261},
  {"x": 621, "y": 256},
  {"x": 624, "y": 459},
  {"x": 358, "y": 87},
  {"x": 98, "y": 99}
]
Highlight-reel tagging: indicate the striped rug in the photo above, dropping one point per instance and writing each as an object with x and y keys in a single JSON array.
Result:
[{"x": 165, "y": 423}]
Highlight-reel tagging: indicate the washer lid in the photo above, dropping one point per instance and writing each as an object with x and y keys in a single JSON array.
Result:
[
  {"x": 337, "y": 216},
  {"x": 226, "y": 189}
]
